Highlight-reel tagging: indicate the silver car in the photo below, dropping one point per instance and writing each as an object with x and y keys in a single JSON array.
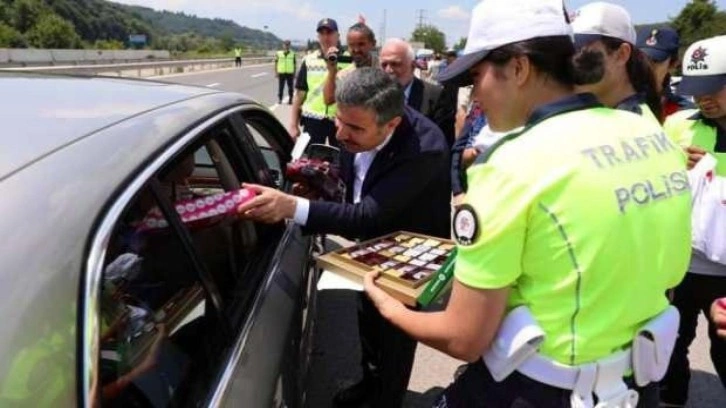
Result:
[{"x": 99, "y": 310}]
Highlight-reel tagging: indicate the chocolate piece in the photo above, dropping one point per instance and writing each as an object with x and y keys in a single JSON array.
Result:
[
  {"x": 372, "y": 259},
  {"x": 402, "y": 258},
  {"x": 432, "y": 243},
  {"x": 417, "y": 262},
  {"x": 437, "y": 251},
  {"x": 390, "y": 265},
  {"x": 429, "y": 257},
  {"x": 397, "y": 250},
  {"x": 402, "y": 238},
  {"x": 434, "y": 266}
]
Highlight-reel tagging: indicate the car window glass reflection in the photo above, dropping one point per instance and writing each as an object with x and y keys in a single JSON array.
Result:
[{"x": 161, "y": 340}]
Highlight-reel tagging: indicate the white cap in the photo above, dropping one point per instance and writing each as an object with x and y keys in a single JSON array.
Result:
[
  {"x": 600, "y": 19},
  {"x": 495, "y": 23},
  {"x": 704, "y": 67}
]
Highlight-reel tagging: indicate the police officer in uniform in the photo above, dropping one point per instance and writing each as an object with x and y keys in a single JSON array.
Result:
[
  {"x": 309, "y": 109},
  {"x": 609, "y": 65},
  {"x": 661, "y": 46},
  {"x": 701, "y": 132},
  {"x": 571, "y": 232},
  {"x": 285, "y": 63}
]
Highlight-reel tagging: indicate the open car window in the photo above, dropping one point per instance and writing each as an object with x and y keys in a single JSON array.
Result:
[{"x": 181, "y": 271}]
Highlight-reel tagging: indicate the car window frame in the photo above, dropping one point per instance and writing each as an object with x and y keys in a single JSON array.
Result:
[{"x": 90, "y": 285}]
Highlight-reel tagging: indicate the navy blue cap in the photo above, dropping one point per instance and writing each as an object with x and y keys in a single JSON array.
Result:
[
  {"x": 328, "y": 23},
  {"x": 658, "y": 43}
]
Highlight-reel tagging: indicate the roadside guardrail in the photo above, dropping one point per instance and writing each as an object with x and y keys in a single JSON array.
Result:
[{"x": 143, "y": 69}]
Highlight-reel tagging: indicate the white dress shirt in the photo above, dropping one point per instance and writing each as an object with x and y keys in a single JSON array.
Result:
[{"x": 361, "y": 164}]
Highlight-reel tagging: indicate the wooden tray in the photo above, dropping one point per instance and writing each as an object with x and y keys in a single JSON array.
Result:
[{"x": 397, "y": 280}]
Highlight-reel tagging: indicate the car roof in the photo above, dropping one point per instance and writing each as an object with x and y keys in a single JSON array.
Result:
[{"x": 42, "y": 114}]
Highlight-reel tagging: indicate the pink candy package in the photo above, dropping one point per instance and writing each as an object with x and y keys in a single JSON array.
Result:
[{"x": 199, "y": 211}]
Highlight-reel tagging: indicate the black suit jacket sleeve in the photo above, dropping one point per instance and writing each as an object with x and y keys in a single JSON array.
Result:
[
  {"x": 387, "y": 199},
  {"x": 444, "y": 114},
  {"x": 458, "y": 172}
]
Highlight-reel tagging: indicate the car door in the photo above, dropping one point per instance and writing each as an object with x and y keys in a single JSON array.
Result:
[
  {"x": 291, "y": 287},
  {"x": 197, "y": 311}
]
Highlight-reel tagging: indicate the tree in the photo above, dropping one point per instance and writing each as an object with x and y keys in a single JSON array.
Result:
[
  {"x": 431, "y": 36},
  {"x": 10, "y": 37},
  {"x": 460, "y": 45},
  {"x": 27, "y": 13},
  {"x": 699, "y": 19},
  {"x": 52, "y": 31}
]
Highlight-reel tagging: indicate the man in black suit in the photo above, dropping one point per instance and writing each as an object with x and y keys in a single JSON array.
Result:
[
  {"x": 436, "y": 102},
  {"x": 395, "y": 165}
]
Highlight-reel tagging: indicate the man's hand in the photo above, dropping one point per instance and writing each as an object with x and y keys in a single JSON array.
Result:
[
  {"x": 718, "y": 315},
  {"x": 695, "y": 154},
  {"x": 385, "y": 303},
  {"x": 270, "y": 206},
  {"x": 294, "y": 131}
]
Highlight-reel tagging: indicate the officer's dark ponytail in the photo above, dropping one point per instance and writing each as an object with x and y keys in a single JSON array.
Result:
[
  {"x": 641, "y": 76},
  {"x": 551, "y": 56}
]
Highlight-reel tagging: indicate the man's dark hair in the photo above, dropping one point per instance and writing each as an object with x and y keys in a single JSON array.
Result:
[
  {"x": 365, "y": 30},
  {"x": 552, "y": 56},
  {"x": 373, "y": 89},
  {"x": 640, "y": 74}
]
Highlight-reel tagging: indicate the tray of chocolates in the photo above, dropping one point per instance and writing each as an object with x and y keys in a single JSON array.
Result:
[{"x": 407, "y": 261}]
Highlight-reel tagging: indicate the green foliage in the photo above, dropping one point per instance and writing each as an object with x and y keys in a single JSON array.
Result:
[
  {"x": 431, "y": 36},
  {"x": 10, "y": 37},
  {"x": 107, "y": 25},
  {"x": 699, "y": 19},
  {"x": 108, "y": 45},
  {"x": 52, "y": 31},
  {"x": 26, "y": 13},
  {"x": 460, "y": 45}
]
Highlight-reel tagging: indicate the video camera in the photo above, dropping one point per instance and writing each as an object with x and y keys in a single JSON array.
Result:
[{"x": 339, "y": 58}]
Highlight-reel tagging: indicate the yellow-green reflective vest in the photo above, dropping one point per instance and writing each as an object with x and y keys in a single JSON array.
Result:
[
  {"x": 314, "y": 106},
  {"x": 285, "y": 62}
]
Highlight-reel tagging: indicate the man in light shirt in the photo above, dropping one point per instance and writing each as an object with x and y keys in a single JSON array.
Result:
[{"x": 395, "y": 165}]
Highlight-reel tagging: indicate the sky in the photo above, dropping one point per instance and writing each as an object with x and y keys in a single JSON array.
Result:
[{"x": 296, "y": 19}]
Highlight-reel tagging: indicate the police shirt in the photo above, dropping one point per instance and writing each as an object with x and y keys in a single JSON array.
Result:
[{"x": 585, "y": 214}]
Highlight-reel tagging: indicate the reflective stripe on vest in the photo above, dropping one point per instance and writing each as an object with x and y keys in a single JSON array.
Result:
[
  {"x": 285, "y": 63},
  {"x": 314, "y": 106}
]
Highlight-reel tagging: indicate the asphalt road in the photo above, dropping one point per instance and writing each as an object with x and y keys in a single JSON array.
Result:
[{"x": 336, "y": 352}]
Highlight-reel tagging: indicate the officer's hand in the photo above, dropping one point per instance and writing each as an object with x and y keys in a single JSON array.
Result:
[
  {"x": 459, "y": 199},
  {"x": 385, "y": 303},
  {"x": 718, "y": 315},
  {"x": 695, "y": 154},
  {"x": 332, "y": 66},
  {"x": 469, "y": 156},
  {"x": 294, "y": 131},
  {"x": 269, "y": 206}
]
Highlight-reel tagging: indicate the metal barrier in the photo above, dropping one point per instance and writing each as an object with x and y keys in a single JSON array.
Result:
[{"x": 144, "y": 69}]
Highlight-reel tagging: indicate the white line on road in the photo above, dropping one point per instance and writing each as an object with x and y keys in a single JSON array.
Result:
[
  {"x": 213, "y": 85},
  {"x": 261, "y": 74},
  {"x": 209, "y": 71}
]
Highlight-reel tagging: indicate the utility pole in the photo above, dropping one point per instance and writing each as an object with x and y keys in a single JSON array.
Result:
[{"x": 421, "y": 16}]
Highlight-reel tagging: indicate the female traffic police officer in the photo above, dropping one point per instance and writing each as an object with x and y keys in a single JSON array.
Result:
[
  {"x": 701, "y": 132},
  {"x": 573, "y": 228},
  {"x": 608, "y": 63}
]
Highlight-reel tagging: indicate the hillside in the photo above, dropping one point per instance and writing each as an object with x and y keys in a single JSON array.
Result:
[
  {"x": 178, "y": 23},
  {"x": 104, "y": 24}
]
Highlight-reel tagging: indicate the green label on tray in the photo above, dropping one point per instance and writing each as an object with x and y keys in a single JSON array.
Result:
[{"x": 438, "y": 282}]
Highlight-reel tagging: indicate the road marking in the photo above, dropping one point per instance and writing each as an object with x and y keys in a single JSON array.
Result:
[
  {"x": 213, "y": 85},
  {"x": 258, "y": 75},
  {"x": 209, "y": 71}
]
